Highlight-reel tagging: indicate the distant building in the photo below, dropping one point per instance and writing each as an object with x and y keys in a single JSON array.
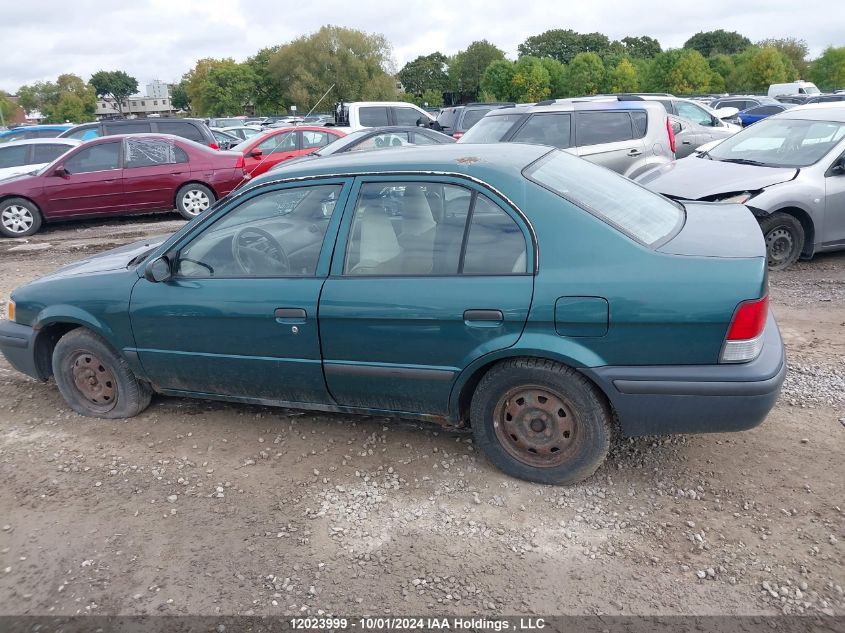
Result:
[{"x": 155, "y": 103}]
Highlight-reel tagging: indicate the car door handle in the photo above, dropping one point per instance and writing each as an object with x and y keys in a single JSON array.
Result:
[
  {"x": 290, "y": 314},
  {"x": 634, "y": 152},
  {"x": 686, "y": 142},
  {"x": 495, "y": 316}
]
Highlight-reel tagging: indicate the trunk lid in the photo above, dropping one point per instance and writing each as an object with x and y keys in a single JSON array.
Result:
[{"x": 714, "y": 229}]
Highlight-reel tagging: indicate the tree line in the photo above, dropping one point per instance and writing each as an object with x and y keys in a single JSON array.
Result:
[{"x": 351, "y": 65}]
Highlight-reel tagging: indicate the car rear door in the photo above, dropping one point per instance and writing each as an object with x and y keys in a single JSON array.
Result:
[
  {"x": 153, "y": 169},
  {"x": 413, "y": 297},
  {"x": 607, "y": 139},
  {"x": 92, "y": 186}
]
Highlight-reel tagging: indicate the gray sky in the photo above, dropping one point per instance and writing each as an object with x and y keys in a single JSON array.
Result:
[{"x": 161, "y": 39}]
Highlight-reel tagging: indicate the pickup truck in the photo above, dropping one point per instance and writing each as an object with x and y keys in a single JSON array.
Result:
[{"x": 362, "y": 114}]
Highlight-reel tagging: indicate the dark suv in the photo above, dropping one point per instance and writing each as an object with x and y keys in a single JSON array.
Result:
[
  {"x": 742, "y": 102},
  {"x": 456, "y": 120},
  {"x": 191, "y": 129}
]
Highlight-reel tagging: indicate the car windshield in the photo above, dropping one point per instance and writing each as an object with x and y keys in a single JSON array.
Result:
[
  {"x": 780, "y": 142},
  {"x": 628, "y": 207},
  {"x": 490, "y": 129},
  {"x": 343, "y": 142}
]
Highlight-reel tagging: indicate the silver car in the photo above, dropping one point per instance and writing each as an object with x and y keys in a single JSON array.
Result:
[
  {"x": 689, "y": 135},
  {"x": 788, "y": 169}
]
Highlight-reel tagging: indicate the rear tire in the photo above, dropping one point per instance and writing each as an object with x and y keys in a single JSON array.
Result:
[
  {"x": 541, "y": 421},
  {"x": 784, "y": 236},
  {"x": 193, "y": 199},
  {"x": 96, "y": 381},
  {"x": 19, "y": 217}
]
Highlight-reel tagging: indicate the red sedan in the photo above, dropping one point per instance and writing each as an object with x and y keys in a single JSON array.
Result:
[
  {"x": 120, "y": 175},
  {"x": 261, "y": 153}
]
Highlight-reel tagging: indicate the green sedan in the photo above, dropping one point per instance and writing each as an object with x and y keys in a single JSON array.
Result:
[{"x": 543, "y": 300}]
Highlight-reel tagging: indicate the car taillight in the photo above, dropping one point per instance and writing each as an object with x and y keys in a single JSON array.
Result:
[
  {"x": 240, "y": 163},
  {"x": 457, "y": 135},
  {"x": 671, "y": 134},
  {"x": 214, "y": 146},
  {"x": 745, "y": 335}
]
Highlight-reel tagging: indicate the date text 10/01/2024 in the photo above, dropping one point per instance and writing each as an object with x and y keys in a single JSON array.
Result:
[{"x": 424, "y": 623}]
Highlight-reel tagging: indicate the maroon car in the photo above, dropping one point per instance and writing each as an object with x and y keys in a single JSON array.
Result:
[{"x": 120, "y": 175}]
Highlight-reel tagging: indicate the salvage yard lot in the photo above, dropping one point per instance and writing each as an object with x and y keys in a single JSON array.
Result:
[{"x": 210, "y": 508}]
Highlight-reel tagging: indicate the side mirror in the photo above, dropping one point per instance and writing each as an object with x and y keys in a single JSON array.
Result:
[
  {"x": 256, "y": 153},
  {"x": 61, "y": 172},
  {"x": 158, "y": 270}
]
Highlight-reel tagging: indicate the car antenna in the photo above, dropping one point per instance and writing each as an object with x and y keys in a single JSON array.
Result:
[{"x": 281, "y": 137}]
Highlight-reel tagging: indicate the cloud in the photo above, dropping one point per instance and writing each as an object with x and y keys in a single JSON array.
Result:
[{"x": 162, "y": 39}]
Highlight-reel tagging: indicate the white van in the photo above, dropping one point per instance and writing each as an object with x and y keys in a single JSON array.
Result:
[
  {"x": 361, "y": 114},
  {"x": 794, "y": 88}
]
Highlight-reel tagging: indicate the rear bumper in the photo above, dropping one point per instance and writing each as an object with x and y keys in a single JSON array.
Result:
[
  {"x": 17, "y": 342},
  {"x": 664, "y": 400}
]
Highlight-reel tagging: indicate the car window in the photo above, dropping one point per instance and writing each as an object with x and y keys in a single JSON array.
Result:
[
  {"x": 473, "y": 116},
  {"x": 667, "y": 105},
  {"x": 595, "y": 128},
  {"x": 394, "y": 230},
  {"x": 185, "y": 130},
  {"x": 765, "y": 110},
  {"x": 373, "y": 116},
  {"x": 85, "y": 134},
  {"x": 14, "y": 156},
  {"x": 628, "y": 207},
  {"x": 547, "y": 129},
  {"x": 491, "y": 129},
  {"x": 133, "y": 127},
  {"x": 495, "y": 243},
  {"x": 384, "y": 140},
  {"x": 739, "y": 104},
  {"x": 276, "y": 234},
  {"x": 314, "y": 138},
  {"x": 447, "y": 118},
  {"x": 407, "y": 116},
  {"x": 46, "y": 133},
  {"x": 695, "y": 114},
  {"x": 640, "y": 119},
  {"x": 148, "y": 152},
  {"x": 423, "y": 139},
  {"x": 100, "y": 157},
  {"x": 284, "y": 142},
  {"x": 48, "y": 152}
]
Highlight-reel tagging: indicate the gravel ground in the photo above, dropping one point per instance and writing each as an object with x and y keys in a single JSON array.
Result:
[{"x": 210, "y": 508}]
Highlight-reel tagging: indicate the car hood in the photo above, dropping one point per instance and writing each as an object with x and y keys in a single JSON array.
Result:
[
  {"x": 696, "y": 178},
  {"x": 114, "y": 259}
]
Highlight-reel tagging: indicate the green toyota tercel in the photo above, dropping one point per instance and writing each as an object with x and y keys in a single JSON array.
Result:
[{"x": 541, "y": 299}]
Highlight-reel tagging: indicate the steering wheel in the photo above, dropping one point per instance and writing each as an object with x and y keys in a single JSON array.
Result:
[{"x": 260, "y": 255}]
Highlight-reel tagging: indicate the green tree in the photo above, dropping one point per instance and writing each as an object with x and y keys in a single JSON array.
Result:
[
  {"x": 68, "y": 98},
  {"x": 432, "y": 98},
  {"x": 828, "y": 71},
  {"x": 467, "y": 67},
  {"x": 563, "y": 44},
  {"x": 656, "y": 75},
  {"x": 69, "y": 107},
  {"x": 557, "y": 76},
  {"x": 531, "y": 80},
  {"x": 757, "y": 68},
  {"x": 268, "y": 93},
  {"x": 793, "y": 48},
  {"x": 623, "y": 78},
  {"x": 7, "y": 107},
  {"x": 721, "y": 67},
  {"x": 355, "y": 65},
  {"x": 426, "y": 72},
  {"x": 115, "y": 84},
  {"x": 585, "y": 74},
  {"x": 179, "y": 96},
  {"x": 642, "y": 47},
  {"x": 220, "y": 87},
  {"x": 719, "y": 41},
  {"x": 690, "y": 73},
  {"x": 497, "y": 80}
]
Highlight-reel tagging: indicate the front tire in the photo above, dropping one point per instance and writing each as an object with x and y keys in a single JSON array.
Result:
[
  {"x": 192, "y": 199},
  {"x": 784, "y": 236},
  {"x": 19, "y": 218},
  {"x": 540, "y": 421},
  {"x": 94, "y": 380}
]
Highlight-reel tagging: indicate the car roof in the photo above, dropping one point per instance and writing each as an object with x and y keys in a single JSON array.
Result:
[
  {"x": 27, "y": 128},
  {"x": 834, "y": 111},
  {"x": 44, "y": 141},
  {"x": 577, "y": 105},
  {"x": 486, "y": 162}
]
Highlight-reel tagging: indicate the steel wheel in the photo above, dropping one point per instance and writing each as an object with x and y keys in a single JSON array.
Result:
[
  {"x": 94, "y": 381},
  {"x": 17, "y": 219},
  {"x": 195, "y": 201},
  {"x": 537, "y": 426},
  {"x": 779, "y": 245}
]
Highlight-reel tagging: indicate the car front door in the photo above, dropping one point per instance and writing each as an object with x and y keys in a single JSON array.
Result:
[
  {"x": 153, "y": 169},
  {"x": 834, "y": 207},
  {"x": 274, "y": 150},
  {"x": 238, "y": 317},
  {"x": 92, "y": 182},
  {"x": 607, "y": 139},
  {"x": 413, "y": 297}
]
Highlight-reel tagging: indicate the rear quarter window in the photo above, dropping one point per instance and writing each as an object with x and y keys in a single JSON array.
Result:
[
  {"x": 373, "y": 116},
  {"x": 597, "y": 128},
  {"x": 631, "y": 209},
  {"x": 473, "y": 116}
]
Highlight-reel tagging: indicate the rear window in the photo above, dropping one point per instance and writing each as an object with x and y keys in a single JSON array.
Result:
[
  {"x": 596, "y": 128},
  {"x": 473, "y": 116},
  {"x": 638, "y": 213},
  {"x": 447, "y": 118},
  {"x": 491, "y": 129}
]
